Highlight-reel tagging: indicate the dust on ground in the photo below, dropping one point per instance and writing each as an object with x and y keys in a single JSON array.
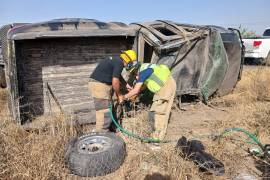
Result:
[{"x": 39, "y": 154}]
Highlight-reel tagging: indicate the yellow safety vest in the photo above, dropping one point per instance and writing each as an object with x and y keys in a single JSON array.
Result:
[{"x": 158, "y": 77}]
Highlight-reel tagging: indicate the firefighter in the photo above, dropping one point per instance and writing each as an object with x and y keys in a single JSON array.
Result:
[
  {"x": 157, "y": 79},
  {"x": 107, "y": 76}
]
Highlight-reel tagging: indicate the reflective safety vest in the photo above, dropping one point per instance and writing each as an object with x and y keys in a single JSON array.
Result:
[{"x": 158, "y": 78}]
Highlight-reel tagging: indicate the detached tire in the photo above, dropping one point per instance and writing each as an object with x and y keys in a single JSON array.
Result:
[
  {"x": 3, "y": 83},
  {"x": 95, "y": 154}
]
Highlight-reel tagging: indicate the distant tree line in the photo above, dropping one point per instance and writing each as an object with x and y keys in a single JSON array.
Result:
[{"x": 246, "y": 33}]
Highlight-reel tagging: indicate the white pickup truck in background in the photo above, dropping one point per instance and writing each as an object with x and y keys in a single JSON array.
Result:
[{"x": 257, "y": 50}]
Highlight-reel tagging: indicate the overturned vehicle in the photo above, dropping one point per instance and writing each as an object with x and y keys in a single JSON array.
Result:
[{"x": 48, "y": 64}]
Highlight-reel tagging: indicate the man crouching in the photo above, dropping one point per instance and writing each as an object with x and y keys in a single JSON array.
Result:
[{"x": 107, "y": 76}]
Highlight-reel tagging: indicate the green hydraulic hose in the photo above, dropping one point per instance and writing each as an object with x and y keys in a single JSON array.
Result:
[
  {"x": 252, "y": 136},
  {"x": 153, "y": 140},
  {"x": 128, "y": 133}
]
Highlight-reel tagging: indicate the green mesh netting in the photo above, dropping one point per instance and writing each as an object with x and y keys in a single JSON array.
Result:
[{"x": 216, "y": 66}]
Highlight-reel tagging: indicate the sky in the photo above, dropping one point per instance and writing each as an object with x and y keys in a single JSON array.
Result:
[{"x": 251, "y": 14}]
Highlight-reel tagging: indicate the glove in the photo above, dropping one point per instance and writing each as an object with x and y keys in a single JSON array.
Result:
[
  {"x": 121, "y": 99},
  {"x": 133, "y": 98}
]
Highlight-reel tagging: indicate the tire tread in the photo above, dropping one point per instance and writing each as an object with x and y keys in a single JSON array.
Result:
[{"x": 95, "y": 164}]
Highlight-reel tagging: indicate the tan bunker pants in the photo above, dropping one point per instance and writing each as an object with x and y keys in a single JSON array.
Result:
[
  {"x": 161, "y": 107},
  {"x": 101, "y": 95}
]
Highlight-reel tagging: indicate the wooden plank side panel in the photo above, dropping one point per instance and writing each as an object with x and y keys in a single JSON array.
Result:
[{"x": 64, "y": 64}]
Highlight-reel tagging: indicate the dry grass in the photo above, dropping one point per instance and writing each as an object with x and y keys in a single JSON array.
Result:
[
  {"x": 39, "y": 154},
  {"x": 249, "y": 108},
  {"x": 138, "y": 124},
  {"x": 32, "y": 155},
  {"x": 250, "y": 102}
]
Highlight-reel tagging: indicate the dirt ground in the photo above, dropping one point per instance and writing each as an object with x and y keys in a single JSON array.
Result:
[
  {"x": 39, "y": 154},
  {"x": 194, "y": 119}
]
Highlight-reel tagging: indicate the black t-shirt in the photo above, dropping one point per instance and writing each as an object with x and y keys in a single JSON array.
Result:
[{"x": 107, "y": 69}]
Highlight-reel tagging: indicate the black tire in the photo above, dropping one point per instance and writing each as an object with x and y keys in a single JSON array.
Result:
[
  {"x": 95, "y": 154},
  {"x": 3, "y": 83}
]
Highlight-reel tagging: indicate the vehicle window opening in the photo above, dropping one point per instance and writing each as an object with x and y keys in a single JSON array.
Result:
[
  {"x": 148, "y": 52},
  {"x": 165, "y": 31},
  {"x": 266, "y": 32}
]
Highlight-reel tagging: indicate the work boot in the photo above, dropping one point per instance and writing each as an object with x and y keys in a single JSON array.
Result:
[{"x": 160, "y": 135}]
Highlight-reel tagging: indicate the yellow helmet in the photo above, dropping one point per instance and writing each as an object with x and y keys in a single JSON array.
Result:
[{"x": 128, "y": 56}]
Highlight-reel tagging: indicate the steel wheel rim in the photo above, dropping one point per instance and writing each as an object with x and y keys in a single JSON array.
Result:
[{"x": 94, "y": 144}]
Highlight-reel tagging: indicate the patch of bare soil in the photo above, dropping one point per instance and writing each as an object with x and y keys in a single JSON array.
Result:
[
  {"x": 39, "y": 154},
  {"x": 195, "y": 120}
]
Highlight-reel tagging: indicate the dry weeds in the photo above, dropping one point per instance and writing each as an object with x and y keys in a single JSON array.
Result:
[
  {"x": 250, "y": 102},
  {"x": 39, "y": 154}
]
